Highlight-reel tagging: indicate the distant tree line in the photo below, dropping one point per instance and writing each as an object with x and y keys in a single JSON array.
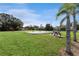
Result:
[
  {"x": 9, "y": 23},
  {"x": 63, "y": 27},
  {"x": 48, "y": 27}
]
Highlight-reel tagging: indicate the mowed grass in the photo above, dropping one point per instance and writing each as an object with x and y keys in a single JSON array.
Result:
[{"x": 24, "y": 44}]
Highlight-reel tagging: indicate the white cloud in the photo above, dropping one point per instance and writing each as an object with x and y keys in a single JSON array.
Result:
[
  {"x": 30, "y": 17},
  {"x": 49, "y": 16},
  {"x": 27, "y": 16}
]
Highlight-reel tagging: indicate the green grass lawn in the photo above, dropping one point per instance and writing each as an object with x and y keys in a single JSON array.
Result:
[{"x": 24, "y": 44}]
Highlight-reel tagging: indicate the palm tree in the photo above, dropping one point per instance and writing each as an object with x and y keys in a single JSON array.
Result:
[
  {"x": 64, "y": 11},
  {"x": 73, "y": 10},
  {"x": 75, "y": 28}
]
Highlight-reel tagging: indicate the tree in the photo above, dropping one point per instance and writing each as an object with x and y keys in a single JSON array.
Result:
[
  {"x": 77, "y": 26},
  {"x": 9, "y": 22},
  {"x": 36, "y": 27},
  {"x": 64, "y": 11},
  {"x": 48, "y": 27},
  {"x": 31, "y": 27},
  {"x": 62, "y": 28},
  {"x": 73, "y": 10},
  {"x": 41, "y": 27}
]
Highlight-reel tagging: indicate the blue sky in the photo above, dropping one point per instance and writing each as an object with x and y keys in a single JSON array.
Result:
[{"x": 33, "y": 13}]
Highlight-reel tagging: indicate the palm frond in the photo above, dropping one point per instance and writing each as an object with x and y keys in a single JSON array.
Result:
[
  {"x": 77, "y": 5},
  {"x": 63, "y": 20},
  {"x": 60, "y": 13}
]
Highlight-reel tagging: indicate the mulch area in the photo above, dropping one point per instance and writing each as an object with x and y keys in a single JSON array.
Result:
[{"x": 74, "y": 49}]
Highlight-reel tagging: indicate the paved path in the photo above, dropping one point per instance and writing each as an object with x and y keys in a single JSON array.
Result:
[{"x": 74, "y": 48}]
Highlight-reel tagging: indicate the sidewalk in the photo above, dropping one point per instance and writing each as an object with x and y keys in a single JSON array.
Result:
[{"x": 74, "y": 48}]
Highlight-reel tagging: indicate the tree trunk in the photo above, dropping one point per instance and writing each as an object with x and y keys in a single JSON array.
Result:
[
  {"x": 75, "y": 35},
  {"x": 75, "y": 29},
  {"x": 68, "y": 41}
]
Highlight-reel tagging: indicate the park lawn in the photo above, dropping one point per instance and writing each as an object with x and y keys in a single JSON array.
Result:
[{"x": 23, "y": 44}]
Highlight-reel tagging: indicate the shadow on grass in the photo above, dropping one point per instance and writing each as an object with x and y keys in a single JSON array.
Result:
[
  {"x": 63, "y": 52},
  {"x": 70, "y": 53}
]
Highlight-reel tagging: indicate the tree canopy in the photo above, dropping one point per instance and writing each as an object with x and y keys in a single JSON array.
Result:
[{"x": 9, "y": 22}]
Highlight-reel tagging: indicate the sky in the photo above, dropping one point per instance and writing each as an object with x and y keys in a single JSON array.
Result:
[{"x": 33, "y": 13}]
